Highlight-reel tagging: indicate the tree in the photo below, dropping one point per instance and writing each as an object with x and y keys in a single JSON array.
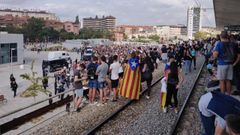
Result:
[
  {"x": 33, "y": 29},
  {"x": 200, "y": 35},
  {"x": 36, "y": 84},
  {"x": 154, "y": 38}
]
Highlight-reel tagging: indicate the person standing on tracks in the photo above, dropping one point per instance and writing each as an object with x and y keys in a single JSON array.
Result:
[
  {"x": 187, "y": 60},
  {"x": 164, "y": 53},
  {"x": 102, "y": 71},
  {"x": 194, "y": 55},
  {"x": 114, "y": 70},
  {"x": 148, "y": 69},
  {"x": 225, "y": 52},
  {"x": 78, "y": 78},
  {"x": 174, "y": 80},
  {"x": 130, "y": 87},
  {"x": 92, "y": 79}
]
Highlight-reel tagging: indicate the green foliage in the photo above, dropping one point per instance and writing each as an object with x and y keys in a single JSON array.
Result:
[
  {"x": 200, "y": 35},
  {"x": 154, "y": 38},
  {"x": 36, "y": 84},
  {"x": 88, "y": 33},
  {"x": 36, "y": 31}
]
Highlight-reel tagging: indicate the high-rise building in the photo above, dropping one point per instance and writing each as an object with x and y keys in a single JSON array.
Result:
[
  {"x": 97, "y": 23},
  {"x": 193, "y": 21}
]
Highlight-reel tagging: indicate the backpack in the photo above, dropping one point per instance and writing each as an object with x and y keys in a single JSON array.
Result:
[
  {"x": 229, "y": 52},
  {"x": 150, "y": 66},
  {"x": 92, "y": 72}
]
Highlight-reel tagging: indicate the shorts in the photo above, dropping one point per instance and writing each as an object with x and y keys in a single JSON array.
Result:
[
  {"x": 102, "y": 85},
  {"x": 224, "y": 72},
  {"x": 115, "y": 83},
  {"x": 92, "y": 84},
  {"x": 120, "y": 75},
  {"x": 79, "y": 92}
]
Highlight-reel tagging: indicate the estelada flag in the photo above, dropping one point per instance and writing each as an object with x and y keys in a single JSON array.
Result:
[{"x": 130, "y": 87}]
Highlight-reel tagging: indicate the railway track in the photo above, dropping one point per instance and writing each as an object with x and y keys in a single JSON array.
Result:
[
  {"x": 115, "y": 113},
  {"x": 19, "y": 121},
  {"x": 114, "y": 116}
]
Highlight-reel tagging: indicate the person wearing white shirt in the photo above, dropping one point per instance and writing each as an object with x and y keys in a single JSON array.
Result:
[{"x": 114, "y": 70}]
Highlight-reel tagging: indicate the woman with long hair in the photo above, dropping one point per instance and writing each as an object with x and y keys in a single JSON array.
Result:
[{"x": 173, "y": 82}]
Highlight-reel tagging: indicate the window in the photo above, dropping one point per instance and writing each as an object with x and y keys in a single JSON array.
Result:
[{"x": 5, "y": 53}]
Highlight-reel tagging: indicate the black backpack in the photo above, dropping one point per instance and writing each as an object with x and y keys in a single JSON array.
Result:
[
  {"x": 150, "y": 65},
  {"x": 92, "y": 72},
  {"x": 229, "y": 52}
]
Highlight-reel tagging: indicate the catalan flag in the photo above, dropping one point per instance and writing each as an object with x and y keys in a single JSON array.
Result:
[{"x": 130, "y": 87}]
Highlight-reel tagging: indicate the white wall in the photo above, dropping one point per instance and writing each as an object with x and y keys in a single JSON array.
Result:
[{"x": 14, "y": 38}]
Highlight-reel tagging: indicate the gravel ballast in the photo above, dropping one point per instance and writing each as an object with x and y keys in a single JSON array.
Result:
[{"x": 145, "y": 117}]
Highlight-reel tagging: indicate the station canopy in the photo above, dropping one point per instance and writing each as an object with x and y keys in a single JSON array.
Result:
[{"x": 227, "y": 14}]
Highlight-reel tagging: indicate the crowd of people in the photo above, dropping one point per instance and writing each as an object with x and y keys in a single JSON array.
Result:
[
  {"x": 220, "y": 107},
  {"x": 104, "y": 76}
]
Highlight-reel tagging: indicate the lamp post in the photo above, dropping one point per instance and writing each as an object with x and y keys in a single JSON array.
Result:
[{"x": 12, "y": 49}]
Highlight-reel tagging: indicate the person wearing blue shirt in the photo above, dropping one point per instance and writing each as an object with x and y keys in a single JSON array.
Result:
[{"x": 225, "y": 64}]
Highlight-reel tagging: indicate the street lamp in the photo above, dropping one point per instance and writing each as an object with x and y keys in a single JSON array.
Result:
[{"x": 12, "y": 49}]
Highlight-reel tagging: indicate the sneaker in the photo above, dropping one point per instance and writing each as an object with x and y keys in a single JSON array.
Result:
[
  {"x": 164, "y": 110},
  {"x": 77, "y": 109},
  {"x": 95, "y": 103},
  {"x": 176, "y": 110},
  {"x": 147, "y": 97}
]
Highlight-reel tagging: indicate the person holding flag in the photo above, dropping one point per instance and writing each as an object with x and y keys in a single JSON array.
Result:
[{"x": 130, "y": 87}]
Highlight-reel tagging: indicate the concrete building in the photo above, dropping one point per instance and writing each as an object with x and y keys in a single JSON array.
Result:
[
  {"x": 132, "y": 31},
  {"x": 11, "y": 48},
  {"x": 72, "y": 27},
  {"x": 168, "y": 32},
  {"x": 29, "y": 13},
  {"x": 118, "y": 36},
  {"x": 193, "y": 21},
  {"x": 108, "y": 22}
]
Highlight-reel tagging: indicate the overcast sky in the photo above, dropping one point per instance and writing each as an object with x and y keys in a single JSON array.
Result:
[{"x": 133, "y": 12}]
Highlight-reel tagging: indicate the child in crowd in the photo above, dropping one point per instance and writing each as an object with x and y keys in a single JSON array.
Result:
[
  {"x": 210, "y": 67},
  {"x": 163, "y": 94}
]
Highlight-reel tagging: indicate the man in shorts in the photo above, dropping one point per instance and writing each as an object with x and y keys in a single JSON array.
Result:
[
  {"x": 102, "y": 71},
  {"x": 78, "y": 87},
  {"x": 225, "y": 65},
  {"x": 114, "y": 70}
]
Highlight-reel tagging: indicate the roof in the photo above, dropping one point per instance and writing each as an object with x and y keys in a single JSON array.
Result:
[
  {"x": 226, "y": 12},
  {"x": 97, "y": 18},
  {"x": 136, "y": 27},
  {"x": 25, "y": 11}
]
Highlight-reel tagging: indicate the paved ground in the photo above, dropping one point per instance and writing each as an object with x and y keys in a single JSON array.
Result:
[{"x": 19, "y": 102}]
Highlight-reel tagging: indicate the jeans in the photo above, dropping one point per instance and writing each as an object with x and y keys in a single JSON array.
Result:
[
  {"x": 187, "y": 66},
  {"x": 208, "y": 124},
  {"x": 194, "y": 61}
]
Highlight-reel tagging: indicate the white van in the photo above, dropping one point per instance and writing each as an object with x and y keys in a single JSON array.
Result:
[
  {"x": 58, "y": 55},
  {"x": 56, "y": 61}
]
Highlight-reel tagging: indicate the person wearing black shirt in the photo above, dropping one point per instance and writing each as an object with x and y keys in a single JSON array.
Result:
[{"x": 14, "y": 87}]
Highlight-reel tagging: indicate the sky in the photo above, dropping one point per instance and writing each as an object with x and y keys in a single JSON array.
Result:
[{"x": 131, "y": 12}]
